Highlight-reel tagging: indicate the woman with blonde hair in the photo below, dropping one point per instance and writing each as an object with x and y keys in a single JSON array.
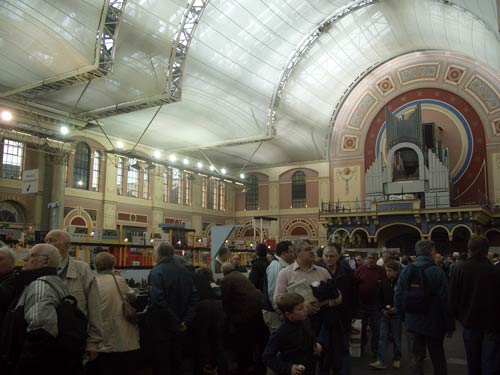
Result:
[{"x": 118, "y": 352}]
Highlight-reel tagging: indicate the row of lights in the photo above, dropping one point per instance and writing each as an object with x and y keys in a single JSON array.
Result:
[
  {"x": 64, "y": 130},
  {"x": 173, "y": 159}
]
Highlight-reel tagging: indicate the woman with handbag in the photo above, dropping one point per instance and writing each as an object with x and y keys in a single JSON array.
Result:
[{"x": 119, "y": 351}]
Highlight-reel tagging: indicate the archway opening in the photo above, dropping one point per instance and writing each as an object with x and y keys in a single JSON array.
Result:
[
  {"x": 494, "y": 238},
  {"x": 459, "y": 240},
  {"x": 400, "y": 237},
  {"x": 441, "y": 241}
]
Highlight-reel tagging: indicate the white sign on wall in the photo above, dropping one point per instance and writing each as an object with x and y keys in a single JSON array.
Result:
[{"x": 30, "y": 181}]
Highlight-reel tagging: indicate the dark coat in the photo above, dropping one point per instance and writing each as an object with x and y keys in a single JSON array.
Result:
[
  {"x": 438, "y": 319},
  {"x": 173, "y": 296},
  {"x": 258, "y": 272},
  {"x": 240, "y": 299},
  {"x": 291, "y": 344},
  {"x": 8, "y": 291},
  {"x": 475, "y": 294}
]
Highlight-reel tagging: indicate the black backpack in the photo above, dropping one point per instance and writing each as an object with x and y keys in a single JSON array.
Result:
[
  {"x": 417, "y": 296},
  {"x": 72, "y": 325}
]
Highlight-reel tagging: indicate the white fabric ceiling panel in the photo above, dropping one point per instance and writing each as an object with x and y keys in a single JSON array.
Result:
[
  {"x": 42, "y": 39},
  {"x": 140, "y": 64},
  {"x": 485, "y": 9}
]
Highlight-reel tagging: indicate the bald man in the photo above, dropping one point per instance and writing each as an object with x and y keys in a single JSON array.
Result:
[{"x": 81, "y": 284}]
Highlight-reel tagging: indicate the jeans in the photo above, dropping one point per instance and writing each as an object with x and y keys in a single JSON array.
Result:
[
  {"x": 417, "y": 344},
  {"x": 483, "y": 352},
  {"x": 387, "y": 326},
  {"x": 370, "y": 315}
]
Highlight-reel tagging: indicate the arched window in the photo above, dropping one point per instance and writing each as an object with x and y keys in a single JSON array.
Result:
[
  {"x": 298, "y": 190},
  {"x": 252, "y": 196},
  {"x": 81, "y": 166}
]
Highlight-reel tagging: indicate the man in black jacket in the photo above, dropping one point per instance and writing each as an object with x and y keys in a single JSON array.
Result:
[
  {"x": 171, "y": 311},
  {"x": 259, "y": 266},
  {"x": 475, "y": 301}
]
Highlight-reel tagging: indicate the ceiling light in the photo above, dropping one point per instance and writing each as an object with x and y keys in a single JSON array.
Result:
[
  {"x": 212, "y": 168},
  {"x": 242, "y": 176},
  {"x": 172, "y": 158},
  {"x": 199, "y": 165},
  {"x": 64, "y": 130},
  {"x": 6, "y": 115},
  {"x": 223, "y": 171},
  {"x": 185, "y": 161},
  {"x": 119, "y": 144},
  {"x": 157, "y": 154},
  {"x": 80, "y": 183}
]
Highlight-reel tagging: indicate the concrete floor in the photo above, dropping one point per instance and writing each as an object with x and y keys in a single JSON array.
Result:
[{"x": 454, "y": 350}]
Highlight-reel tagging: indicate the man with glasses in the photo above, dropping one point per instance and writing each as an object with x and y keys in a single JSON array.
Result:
[
  {"x": 30, "y": 326},
  {"x": 81, "y": 284}
]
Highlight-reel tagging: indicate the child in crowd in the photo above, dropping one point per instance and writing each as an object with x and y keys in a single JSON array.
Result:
[
  {"x": 390, "y": 323},
  {"x": 292, "y": 347}
]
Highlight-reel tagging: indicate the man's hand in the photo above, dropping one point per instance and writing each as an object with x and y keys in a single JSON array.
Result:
[
  {"x": 183, "y": 327},
  {"x": 296, "y": 370},
  {"x": 312, "y": 307},
  {"x": 317, "y": 348},
  {"x": 92, "y": 355}
]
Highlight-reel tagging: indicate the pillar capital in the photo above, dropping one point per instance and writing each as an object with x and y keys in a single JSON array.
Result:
[{"x": 56, "y": 155}]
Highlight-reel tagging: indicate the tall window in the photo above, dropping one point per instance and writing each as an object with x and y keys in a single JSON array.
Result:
[
  {"x": 119, "y": 176},
  {"x": 133, "y": 178},
  {"x": 298, "y": 190},
  {"x": 177, "y": 186},
  {"x": 12, "y": 159},
  {"x": 175, "y": 183},
  {"x": 252, "y": 196},
  {"x": 81, "y": 166},
  {"x": 204, "y": 192},
  {"x": 96, "y": 171},
  {"x": 145, "y": 185},
  {"x": 186, "y": 188},
  {"x": 213, "y": 194}
]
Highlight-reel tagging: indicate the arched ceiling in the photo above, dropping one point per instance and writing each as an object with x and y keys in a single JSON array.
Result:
[{"x": 247, "y": 60}]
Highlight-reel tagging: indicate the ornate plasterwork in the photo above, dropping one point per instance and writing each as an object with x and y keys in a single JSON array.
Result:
[
  {"x": 418, "y": 73},
  {"x": 484, "y": 92},
  {"x": 361, "y": 110},
  {"x": 385, "y": 85},
  {"x": 496, "y": 126},
  {"x": 454, "y": 74},
  {"x": 350, "y": 143}
]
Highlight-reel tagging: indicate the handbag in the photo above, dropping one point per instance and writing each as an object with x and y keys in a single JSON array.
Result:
[{"x": 129, "y": 311}]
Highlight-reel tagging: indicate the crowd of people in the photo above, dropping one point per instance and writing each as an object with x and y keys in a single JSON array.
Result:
[{"x": 292, "y": 313}]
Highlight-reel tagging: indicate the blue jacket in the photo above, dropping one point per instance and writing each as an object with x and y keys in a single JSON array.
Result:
[
  {"x": 438, "y": 319},
  {"x": 173, "y": 295}
]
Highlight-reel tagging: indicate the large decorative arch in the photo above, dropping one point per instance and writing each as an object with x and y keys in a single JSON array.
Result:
[
  {"x": 307, "y": 225},
  {"x": 461, "y": 226},
  {"x": 442, "y": 227},
  {"x": 399, "y": 224},
  {"x": 11, "y": 212},
  {"x": 79, "y": 217}
]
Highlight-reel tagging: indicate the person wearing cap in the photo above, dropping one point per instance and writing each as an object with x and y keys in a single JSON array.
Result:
[{"x": 237, "y": 264}]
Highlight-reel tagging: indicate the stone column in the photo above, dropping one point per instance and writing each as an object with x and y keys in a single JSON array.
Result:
[{"x": 53, "y": 189}]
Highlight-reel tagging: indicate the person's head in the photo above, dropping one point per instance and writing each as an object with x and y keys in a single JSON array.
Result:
[
  {"x": 7, "y": 260},
  {"x": 42, "y": 256},
  {"x": 236, "y": 260},
  {"x": 386, "y": 256},
  {"x": 304, "y": 252},
  {"x": 224, "y": 254},
  {"x": 207, "y": 272},
  {"x": 438, "y": 259},
  {"x": 391, "y": 269},
  {"x": 319, "y": 253},
  {"x": 455, "y": 254},
  {"x": 227, "y": 268},
  {"x": 404, "y": 260},
  {"x": 104, "y": 262},
  {"x": 285, "y": 251},
  {"x": 164, "y": 251},
  {"x": 425, "y": 248},
  {"x": 331, "y": 254},
  {"x": 292, "y": 305},
  {"x": 478, "y": 246},
  {"x": 61, "y": 240},
  {"x": 261, "y": 250},
  {"x": 495, "y": 257},
  {"x": 359, "y": 260},
  {"x": 371, "y": 260}
]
